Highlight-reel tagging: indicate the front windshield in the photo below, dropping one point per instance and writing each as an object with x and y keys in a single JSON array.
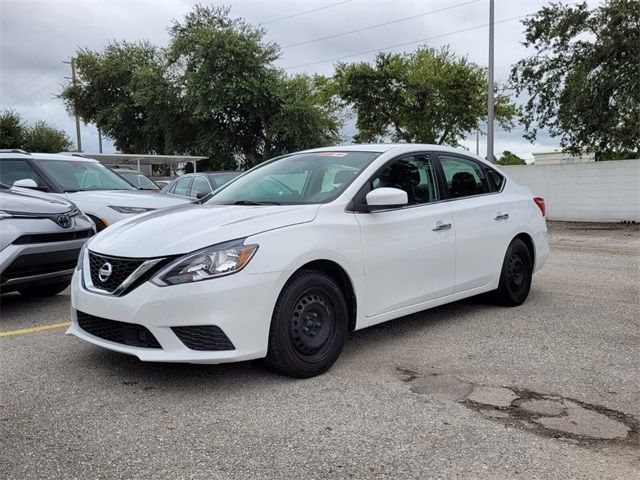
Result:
[
  {"x": 138, "y": 180},
  {"x": 77, "y": 175},
  {"x": 303, "y": 178}
]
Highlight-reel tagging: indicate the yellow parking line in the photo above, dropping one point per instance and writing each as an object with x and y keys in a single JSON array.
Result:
[{"x": 22, "y": 331}]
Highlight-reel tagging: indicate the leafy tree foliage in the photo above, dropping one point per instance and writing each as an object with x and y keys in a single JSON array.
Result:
[
  {"x": 582, "y": 80},
  {"x": 428, "y": 95},
  {"x": 41, "y": 137},
  {"x": 11, "y": 130},
  {"x": 213, "y": 91},
  {"x": 509, "y": 158}
]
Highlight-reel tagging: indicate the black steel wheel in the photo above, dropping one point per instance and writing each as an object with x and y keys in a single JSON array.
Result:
[
  {"x": 308, "y": 327},
  {"x": 515, "y": 277}
]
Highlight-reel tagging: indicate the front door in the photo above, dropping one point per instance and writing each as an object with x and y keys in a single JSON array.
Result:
[{"x": 409, "y": 252}]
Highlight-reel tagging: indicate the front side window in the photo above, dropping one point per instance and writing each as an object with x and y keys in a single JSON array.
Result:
[
  {"x": 76, "y": 175},
  {"x": 303, "y": 178},
  {"x": 12, "y": 170},
  {"x": 464, "y": 177},
  {"x": 200, "y": 187},
  {"x": 413, "y": 174}
]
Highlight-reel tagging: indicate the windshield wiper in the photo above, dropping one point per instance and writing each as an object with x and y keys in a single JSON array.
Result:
[{"x": 250, "y": 202}]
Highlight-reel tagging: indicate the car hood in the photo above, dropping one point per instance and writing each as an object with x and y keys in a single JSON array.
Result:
[
  {"x": 25, "y": 200},
  {"x": 127, "y": 198},
  {"x": 187, "y": 228}
]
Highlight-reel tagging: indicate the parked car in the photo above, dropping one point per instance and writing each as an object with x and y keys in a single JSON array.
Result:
[
  {"x": 101, "y": 194},
  {"x": 198, "y": 185},
  {"x": 284, "y": 261},
  {"x": 40, "y": 239},
  {"x": 138, "y": 179},
  {"x": 162, "y": 183}
]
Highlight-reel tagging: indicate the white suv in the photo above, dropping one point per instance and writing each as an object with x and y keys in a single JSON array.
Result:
[
  {"x": 283, "y": 261},
  {"x": 100, "y": 193}
]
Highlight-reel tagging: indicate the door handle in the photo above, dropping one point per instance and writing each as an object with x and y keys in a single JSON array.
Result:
[
  {"x": 501, "y": 216},
  {"x": 441, "y": 226}
]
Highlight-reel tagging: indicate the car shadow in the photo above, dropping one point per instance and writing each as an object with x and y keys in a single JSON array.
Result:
[{"x": 170, "y": 377}]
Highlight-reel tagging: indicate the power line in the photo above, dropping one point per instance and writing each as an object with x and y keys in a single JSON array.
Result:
[
  {"x": 39, "y": 106},
  {"x": 391, "y": 47},
  {"x": 33, "y": 94},
  {"x": 304, "y": 12},
  {"x": 424, "y": 14},
  {"x": 32, "y": 79}
]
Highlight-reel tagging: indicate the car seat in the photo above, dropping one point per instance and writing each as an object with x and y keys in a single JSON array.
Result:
[{"x": 463, "y": 184}]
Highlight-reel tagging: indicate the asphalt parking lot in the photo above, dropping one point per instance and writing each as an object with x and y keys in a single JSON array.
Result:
[{"x": 550, "y": 389}]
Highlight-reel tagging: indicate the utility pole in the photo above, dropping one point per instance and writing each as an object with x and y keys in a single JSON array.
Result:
[
  {"x": 478, "y": 141},
  {"x": 99, "y": 140},
  {"x": 490, "y": 82},
  {"x": 74, "y": 81}
]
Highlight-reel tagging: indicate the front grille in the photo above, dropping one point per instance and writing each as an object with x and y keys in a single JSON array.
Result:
[
  {"x": 41, "y": 263},
  {"x": 130, "y": 334},
  {"x": 121, "y": 268},
  {"x": 52, "y": 237},
  {"x": 203, "y": 337}
]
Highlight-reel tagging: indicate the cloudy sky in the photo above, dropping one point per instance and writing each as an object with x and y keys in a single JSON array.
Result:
[{"x": 36, "y": 37}]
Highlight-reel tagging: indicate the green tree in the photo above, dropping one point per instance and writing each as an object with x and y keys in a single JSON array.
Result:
[
  {"x": 428, "y": 95},
  {"x": 213, "y": 91},
  {"x": 509, "y": 158},
  {"x": 41, "y": 137},
  {"x": 44, "y": 138},
  {"x": 233, "y": 91},
  {"x": 125, "y": 92},
  {"x": 582, "y": 79},
  {"x": 11, "y": 130}
]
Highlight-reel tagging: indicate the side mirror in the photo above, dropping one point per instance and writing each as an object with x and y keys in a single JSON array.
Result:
[
  {"x": 383, "y": 198},
  {"x": 25, "y": 183}
]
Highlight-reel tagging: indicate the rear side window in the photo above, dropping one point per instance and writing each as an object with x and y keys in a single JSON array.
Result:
[
  {"x": 12, "y": 170},
  {"x": 464, "y": 177},
  {"x": 495, "y": 179}
]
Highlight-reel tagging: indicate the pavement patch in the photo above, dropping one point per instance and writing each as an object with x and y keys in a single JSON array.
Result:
[{"x": 542, "y": 414}]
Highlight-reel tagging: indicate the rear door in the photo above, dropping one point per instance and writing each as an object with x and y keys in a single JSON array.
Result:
[
  {"x": 409, "y": 251},
  {"x": 480, "y": 218}
]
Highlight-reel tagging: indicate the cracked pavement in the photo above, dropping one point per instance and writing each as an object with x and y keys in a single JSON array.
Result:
[{"x": 469, "y": 390}]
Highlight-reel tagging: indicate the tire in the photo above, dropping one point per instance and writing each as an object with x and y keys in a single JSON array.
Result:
[
  {"x": 515, "y": 276},
  {"x": 44, "y": 290},
  {"x": 305, "y": 350}
]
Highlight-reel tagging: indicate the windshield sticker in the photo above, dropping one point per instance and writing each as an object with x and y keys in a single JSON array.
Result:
[{"x": 332, "y": 154}]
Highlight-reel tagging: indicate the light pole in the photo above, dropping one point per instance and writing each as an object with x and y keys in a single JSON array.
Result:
[
  {"x": 490, "y": 82},
  {"x": 74, "y": 82}
]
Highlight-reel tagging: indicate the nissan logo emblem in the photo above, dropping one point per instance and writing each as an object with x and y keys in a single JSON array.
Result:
[
  {"x": 64, "y": 221},
  {"x": 105, "y": 272}
]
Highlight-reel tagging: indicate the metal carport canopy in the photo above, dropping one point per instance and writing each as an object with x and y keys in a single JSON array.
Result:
[{"x": 143, "y": 159}]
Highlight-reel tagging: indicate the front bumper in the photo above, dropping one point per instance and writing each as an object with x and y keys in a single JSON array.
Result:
[{"x": 240, "y": 305}]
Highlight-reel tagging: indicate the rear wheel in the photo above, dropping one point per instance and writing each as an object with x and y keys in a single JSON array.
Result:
[
  {"x": 515, "y": 277},
  {"x": 308, "y": 327},
  {"x": 48, "y": 290}
]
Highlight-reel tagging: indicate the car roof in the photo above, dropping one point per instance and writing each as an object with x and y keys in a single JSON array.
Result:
[{"x": 48, "y": 156}]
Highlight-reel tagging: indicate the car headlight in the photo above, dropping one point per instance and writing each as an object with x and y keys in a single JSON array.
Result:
[
  {"x": 211, "y": 262},
  {"x": 130, "y": 210}
]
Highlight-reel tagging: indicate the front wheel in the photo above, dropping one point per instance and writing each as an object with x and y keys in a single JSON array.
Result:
[
  {"x": 515, "y": 277},
  {"x": 44, "y": 290},
  {"x": 308, "y": 327}
]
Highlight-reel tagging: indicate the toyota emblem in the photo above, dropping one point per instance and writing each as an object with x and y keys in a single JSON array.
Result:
[
  {"x": 105, "y": 272},
  {"x": 64, "y": 221}
]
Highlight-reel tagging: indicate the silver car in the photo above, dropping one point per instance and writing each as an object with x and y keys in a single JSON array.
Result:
[{"x": 40, "y": 238}]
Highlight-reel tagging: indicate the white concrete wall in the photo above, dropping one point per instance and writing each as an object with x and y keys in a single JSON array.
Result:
[{"x": 592, "y": 192}]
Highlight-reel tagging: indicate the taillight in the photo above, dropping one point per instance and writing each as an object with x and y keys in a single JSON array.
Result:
[{"x": 539, "y": 201}]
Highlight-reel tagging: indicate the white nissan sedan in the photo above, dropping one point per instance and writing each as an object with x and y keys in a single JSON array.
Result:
[{"x": 285, "y": 260}]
